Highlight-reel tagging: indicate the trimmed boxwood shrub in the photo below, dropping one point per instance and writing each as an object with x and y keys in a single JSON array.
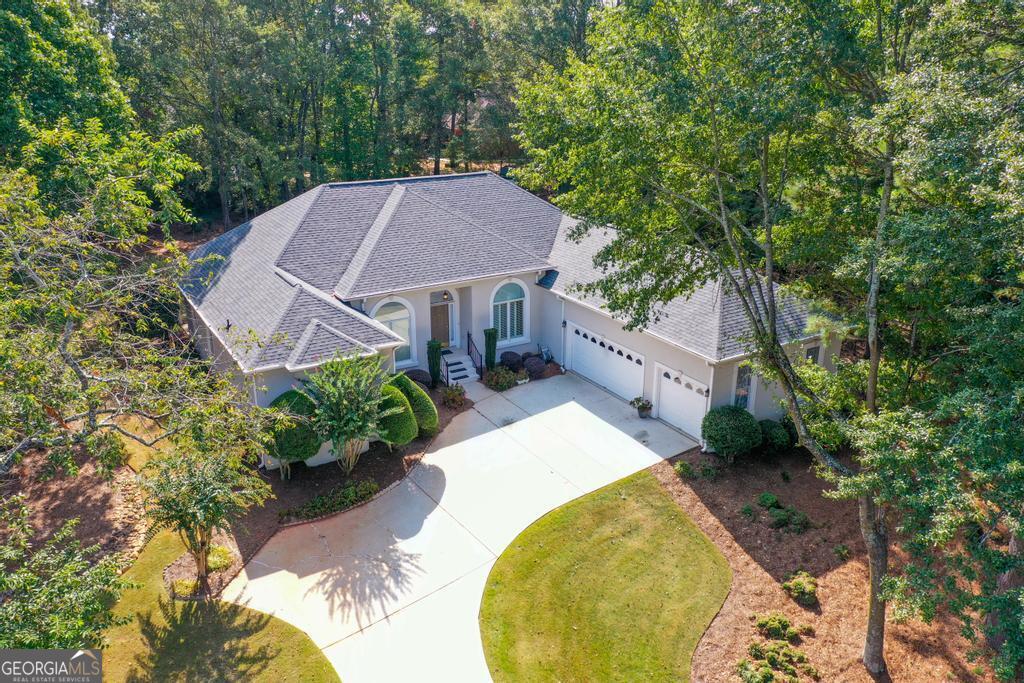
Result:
[
  {"x": 534, "y": 366},
  {"x": 730, "y": 431},
  {"x": 299, "y": 441},
  {"x": 422, "y": 405},
  {"x": 490, "y": 347},
  {"x": 512, "y": 360},
  {"x": 398, "y": 428},
  {"x": 434, "y": 361},
  {"x": 774, "y": 437}
]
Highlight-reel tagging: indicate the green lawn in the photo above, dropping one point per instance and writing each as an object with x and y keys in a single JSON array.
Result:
[{"x": 618, "y": 585}]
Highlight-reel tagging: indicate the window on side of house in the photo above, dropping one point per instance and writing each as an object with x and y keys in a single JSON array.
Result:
[
  {"x": 509, "y": 311},
  {"x": 741, "y": 396},
  {"x": 396, "y": 317},
  {"x": 812, "y": 353}
]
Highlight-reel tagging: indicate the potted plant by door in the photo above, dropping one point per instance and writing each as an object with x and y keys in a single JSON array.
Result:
[{"x": 642, "y": 405}]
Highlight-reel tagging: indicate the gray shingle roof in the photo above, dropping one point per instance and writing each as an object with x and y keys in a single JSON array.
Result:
[{"x": 710, "y": 322}]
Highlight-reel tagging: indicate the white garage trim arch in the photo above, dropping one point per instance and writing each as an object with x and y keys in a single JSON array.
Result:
[{"x": 680, "y": 400}]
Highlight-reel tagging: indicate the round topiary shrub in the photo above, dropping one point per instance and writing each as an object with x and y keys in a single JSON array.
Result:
[
  {"x": 730, "y": 431},
  {"x": 774, "y": 437},
  {"x": 512, "y": 360},
  {"x": 298, "y": 441},
  {"x": 534, "y": 366},
  {"x": 422, "y": 405},
  {"x": 398, "y": 428}
]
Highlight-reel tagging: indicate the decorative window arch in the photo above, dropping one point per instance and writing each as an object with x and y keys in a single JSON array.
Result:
[
  {"x": 397, "y": 315},
  {"x": 510, "y": 312}
]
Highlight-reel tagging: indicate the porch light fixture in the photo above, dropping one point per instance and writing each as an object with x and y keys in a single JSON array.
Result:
[{"x": 446, "y": 296}]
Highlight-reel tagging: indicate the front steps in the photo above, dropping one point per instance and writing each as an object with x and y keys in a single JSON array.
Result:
[{"x": 460, "y": 368}]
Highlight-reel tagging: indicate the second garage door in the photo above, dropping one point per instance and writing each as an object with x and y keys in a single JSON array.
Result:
[
  {"x": 680, "y": 400},
  {"x": 597, "y": 358}
]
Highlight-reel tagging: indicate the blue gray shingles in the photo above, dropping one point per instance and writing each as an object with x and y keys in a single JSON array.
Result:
[{"x": 711, "y": 321}]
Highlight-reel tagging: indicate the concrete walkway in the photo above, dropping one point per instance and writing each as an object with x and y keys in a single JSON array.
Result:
[{"x": 391, "y": 591}]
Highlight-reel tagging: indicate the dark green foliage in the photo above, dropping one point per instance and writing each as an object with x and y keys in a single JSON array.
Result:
[
  {"x": 774, "y": 656},
  {"x": 730, "y": 431},
  {"x": 490, "y": 347},
  {"x": 768, "y": 500},
  {"x": 802, "y": 587},
  {"x": 708, "y": 471},
  {"x": 297, "y": 440},
  {"x": 785, "y": 476},
  {"x": 499, "y": 379},
  {"x": 778, "y": 518},
  {"x": 399, "y": 426},
  {"x": 337, "y": 499},
  {"x": 774, "y": 437},
  {"x": 684, "y": 469},
  {"x": 422, "y": 405},
  {"x": 748, "y": 511},
  {"x": 787, "y": 424},
  {"x": 842, "y": 552},
  {"x": 775, "y": 626},
  {"x": 434, "y": 362}
]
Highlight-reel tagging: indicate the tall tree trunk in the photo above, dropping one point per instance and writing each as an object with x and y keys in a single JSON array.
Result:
[{"x": 876, "y": 538}]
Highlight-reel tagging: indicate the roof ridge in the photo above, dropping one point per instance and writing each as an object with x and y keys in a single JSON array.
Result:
[
  {"x": 398, "y": 179},
  {"x": 476, "y": 225},
  {"x": 358, "y": 262},
  {"x": 319, "y": 189},
  {"x": 307, "y": 338}
]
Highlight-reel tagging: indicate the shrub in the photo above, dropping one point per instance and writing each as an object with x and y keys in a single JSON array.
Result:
[
  {"x": 754, "y": 673},
  {"x": 684, "y": 469},
  {"x": 490, "y": 347},
  {"x": 512, "y": 360},
  {"x": 454, "y": 397},
  {"x": 434, "y": 361},
  {"x": 730, "y": 431},
  {"x": 298, "y": 440},
  {"x": 422, "y": 405},
  {"x": 337, "y": 499},
  {"x": 774, "y": 437},
  {"x": 748, "y": 511},
  {"x": 534, "y": 366},
  {"x": 418, "y": 376},
  {"x": 499, "y": 379},
  {"x": 778, "y": 518},
  {"x": 708, "y": 471},
  {"x": 785, "y": 476},
  {"x": 185, "y": 588},
  {"x": 778, "y": 656},
  {"x": 842, "y": 551},
  {"x": 802, "y": 587},
  {"x": 775, "y": 626},
  {"x": 768, "y": 500},
  {"x": 397, "y": 428},
  {"x": 220, "y": 558},
  {"x": 799, "y": 522}
]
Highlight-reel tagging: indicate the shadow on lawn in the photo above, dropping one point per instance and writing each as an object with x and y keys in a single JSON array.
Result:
[{"x": 206, "y": 641}]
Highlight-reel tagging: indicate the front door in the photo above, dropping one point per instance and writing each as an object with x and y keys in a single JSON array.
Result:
[{"x": 441, "y": 323}]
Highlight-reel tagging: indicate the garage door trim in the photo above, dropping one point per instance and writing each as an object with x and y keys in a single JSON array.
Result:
[
  {"x": 659, "y": 370},
  {"x": 637, "y": 358}
]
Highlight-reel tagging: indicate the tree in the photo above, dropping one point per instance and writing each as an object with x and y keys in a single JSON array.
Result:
[
  {"x": 349, "y": 404},
  {"x": 295, "y": 439},
  {"x": 194, "y": 493},
  {"x": 58, "y": 595}
]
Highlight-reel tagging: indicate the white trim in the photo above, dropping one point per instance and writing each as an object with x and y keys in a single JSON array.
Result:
[
  {"x": 413, "y": 357},
  {"x": 447, "y": 284},
  {"x": 604, "y": 341},
  {"x": 807, "y": 345},
  {"x": 524, "y": 338},
  {"x": 659, "y": 368},
  {"x": 454, "y": 324}
]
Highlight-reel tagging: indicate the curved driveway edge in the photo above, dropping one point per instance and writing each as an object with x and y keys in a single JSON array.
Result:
[{"x": 391, "y": 590}]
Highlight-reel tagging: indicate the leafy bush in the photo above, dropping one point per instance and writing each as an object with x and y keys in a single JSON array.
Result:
[
  {"x": 397, "y": 428},
  {"x": 454, "y": 397},
  {"x": 422, "y": 405},
  {"x": 434, "y": 361},
  {"x": 512, "y": 360},
  {"x": 185, "y": 588},
  {"x": 684, "y": 469},
  {"x": 799, "y": 522},
  {"x": 754, "y": 673},
  {"x": 490, "y": 347},
  {"x": 788, "y": 424},
  {"x": 220, "y": 558},
  {"x": 499, "y": 379},
  {"x": 337, "y": 499},
  {"x": 779, "y": 656},
  {"x": 778, "y": 518},
  {"x": 774, "y": 437},
  {"x": 748, "y": 511},
  {"x": 708, "y": 471},
  {"x": 802, "y": 587},
  {"x": 768, "y": 500},
  {"x": 730, "y": 431},
  {"x": 775, "y": 626},
  {"x": 534, "y": 366},
  {"x": 299, "y": 440},
  {"x": 842, "y": 551}
]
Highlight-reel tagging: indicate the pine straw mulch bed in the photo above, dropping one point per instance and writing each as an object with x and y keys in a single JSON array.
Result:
[
  {"x": 109, "y": 508},
  {"x": 762, "y": 558}
]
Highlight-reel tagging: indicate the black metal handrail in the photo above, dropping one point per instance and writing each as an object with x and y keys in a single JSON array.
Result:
[
  {"x": 474, "y": 355},
  {"x": 444, "y": 371}
]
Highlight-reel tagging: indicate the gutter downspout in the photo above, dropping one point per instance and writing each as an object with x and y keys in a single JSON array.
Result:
[
  {"x": 563, "y": 325},
  {"x": 707, "y": 405}
]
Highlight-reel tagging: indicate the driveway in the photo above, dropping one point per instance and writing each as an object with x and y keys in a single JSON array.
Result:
[{"x": 391, "y": 590}]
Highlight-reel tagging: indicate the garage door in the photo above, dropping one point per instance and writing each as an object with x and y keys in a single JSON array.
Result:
[
  {"x": 597, "y": 358},
  {"x": 680, "y": 400}
]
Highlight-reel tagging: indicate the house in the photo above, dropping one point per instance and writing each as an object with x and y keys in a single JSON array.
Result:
[{"x": 383, "y": 266}]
